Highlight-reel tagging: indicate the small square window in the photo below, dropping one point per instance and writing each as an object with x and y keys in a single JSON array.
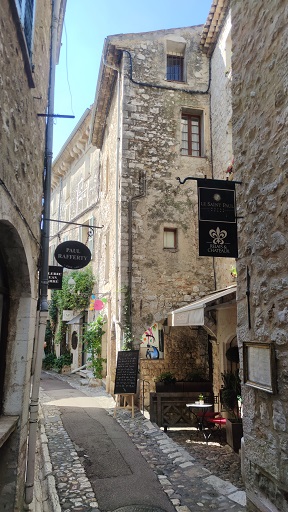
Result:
[
  {"x": 175, "y": 67},
  {"x": 170, "y": 238}
]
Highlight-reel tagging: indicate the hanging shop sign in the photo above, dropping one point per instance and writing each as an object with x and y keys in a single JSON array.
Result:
[
  {"x": 217, "y": 218},
  {"x": 72, "y": 254},
  {"x": 67, "y": 315},
  {"x": 55, "y": 275},
  {"x": 97, "y": 304}
]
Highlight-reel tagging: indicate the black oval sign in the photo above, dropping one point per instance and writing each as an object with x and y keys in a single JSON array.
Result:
[{"x": 72, "y": 254}]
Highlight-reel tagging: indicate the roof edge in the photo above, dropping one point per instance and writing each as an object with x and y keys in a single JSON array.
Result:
[{"x": 212, "y": 27}]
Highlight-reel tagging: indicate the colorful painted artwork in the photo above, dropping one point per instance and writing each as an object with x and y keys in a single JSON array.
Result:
[
  {"x": 96, "y": 304},
  {"x": 150, "y": 342}
]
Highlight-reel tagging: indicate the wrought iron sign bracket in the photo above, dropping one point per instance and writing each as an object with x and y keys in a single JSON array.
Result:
[
  {"x": 205, "y": 177},
  {"x": 76, "y": 224},
  {"x": 90, "y": 233},
  {"x": 56, "y": 115}
]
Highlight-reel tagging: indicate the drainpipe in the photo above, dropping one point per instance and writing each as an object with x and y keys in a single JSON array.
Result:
[
  {"x": 116, "y": 320},
  {"x": 117, "y": 193},
  {"x": 141, "y": 194},
  {"x": 43, "y": 287}
]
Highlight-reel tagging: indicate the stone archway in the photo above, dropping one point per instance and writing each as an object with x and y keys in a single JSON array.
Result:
[
  {"x": 20, "y": 318},
  {"x": 231, "y": 353},
  {"x": 19, "y": 285}
]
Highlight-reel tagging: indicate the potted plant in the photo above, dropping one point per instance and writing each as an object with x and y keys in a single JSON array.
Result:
[
  {"x": 232, "y": 402},
  {"x": 62, "y": 364},
  {"x": 165, "y": 382},
  {"x": 194, "y": 381},
  {"x": 233, "y": 272}
]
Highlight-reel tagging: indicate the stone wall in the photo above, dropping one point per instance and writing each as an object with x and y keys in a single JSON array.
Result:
[
  {"x": 162, "y": 279},
  {"x": 22, "y": 141},
  {"x": 22, "y": 131},
  {"x": 138, "y": 195},
  {"x": 151, "y": 198},
  {"x": 186, "y": 352},
  {"x": 221, "y": 122},
  {"x": 260, "y": 146}
]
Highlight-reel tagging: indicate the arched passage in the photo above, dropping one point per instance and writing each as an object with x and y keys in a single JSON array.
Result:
[{"x": 17, "y": 324}]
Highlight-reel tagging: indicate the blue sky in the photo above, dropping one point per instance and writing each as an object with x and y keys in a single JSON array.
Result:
[{"x": 87, "y": 23}]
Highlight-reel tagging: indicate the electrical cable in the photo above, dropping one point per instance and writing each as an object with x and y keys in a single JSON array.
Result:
[
  {"x": 19, "y": 212},
  {"x": 157, "y": 86},
  {"x": 67, "y": 76}
]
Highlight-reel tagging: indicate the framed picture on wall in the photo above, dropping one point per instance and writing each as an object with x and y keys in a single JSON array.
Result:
[{"x": 260, "y": 366}]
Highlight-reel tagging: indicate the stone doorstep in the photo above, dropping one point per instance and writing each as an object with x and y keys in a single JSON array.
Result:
[
  {"x": 227, "y": 489},
  {"x": 7, "y": 426},
  {"x": 220, "y": 485}
]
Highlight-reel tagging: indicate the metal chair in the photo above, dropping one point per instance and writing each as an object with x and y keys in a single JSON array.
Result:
[{"x": 217, "y": 421}]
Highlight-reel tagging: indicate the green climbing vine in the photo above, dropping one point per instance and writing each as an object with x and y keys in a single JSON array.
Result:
[
  {"x": 74, "y": 297},
  {"x": 92, "y": 338},
  {"x": 127, "y": 330}
]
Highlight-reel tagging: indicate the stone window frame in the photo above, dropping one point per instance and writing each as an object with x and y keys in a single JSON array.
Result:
[
  {"x": 175, "y": 68},
  {"x": 188, "y": 113},
  {"x": 173, "y": 247},
  {"x": 176, "y": 50},
  {"x": 25, "y": 31}
]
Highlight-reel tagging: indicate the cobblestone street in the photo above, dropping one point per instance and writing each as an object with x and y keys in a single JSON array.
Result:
[
  {"x": 218, "y": 457},
  {"x": 194, "y": 476}
]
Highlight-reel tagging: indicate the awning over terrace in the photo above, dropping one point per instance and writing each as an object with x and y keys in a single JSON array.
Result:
[
  {"x": 75, "y": 320},
  {"x": 193, "y": 314}
]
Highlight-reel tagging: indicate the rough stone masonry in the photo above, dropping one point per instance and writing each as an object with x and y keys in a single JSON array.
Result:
[{"x": 259, "y": 63}]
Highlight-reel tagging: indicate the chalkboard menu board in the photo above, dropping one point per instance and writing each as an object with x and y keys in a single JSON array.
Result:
[{"x": 126, "y": 372}]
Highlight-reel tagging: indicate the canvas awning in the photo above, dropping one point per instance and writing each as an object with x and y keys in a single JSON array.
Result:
[
  {"x": 193, "y": 314},
  {"x": 75, "y": 320}
]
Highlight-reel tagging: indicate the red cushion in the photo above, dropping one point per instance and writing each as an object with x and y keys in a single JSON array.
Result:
[{"x": 218, "y": 421}]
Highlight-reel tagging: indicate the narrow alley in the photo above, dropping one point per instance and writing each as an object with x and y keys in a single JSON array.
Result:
[{"x": 103, "y": 464}]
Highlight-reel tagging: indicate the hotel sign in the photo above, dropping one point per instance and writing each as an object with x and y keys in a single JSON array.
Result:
[
  {"x": 217, "y": 218},
  {"x": 72, "y": 254}
]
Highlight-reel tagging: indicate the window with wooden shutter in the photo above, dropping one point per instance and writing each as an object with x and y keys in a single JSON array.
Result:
[{"x": 26, "y": 10}]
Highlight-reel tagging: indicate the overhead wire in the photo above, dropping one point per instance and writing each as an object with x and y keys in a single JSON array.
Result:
[{"x": 67, "y": 75}]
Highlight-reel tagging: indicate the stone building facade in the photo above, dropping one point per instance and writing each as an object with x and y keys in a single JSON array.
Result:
[
  {"x": 24, "y": 56},
  {"x": 75, "y": 198},
  {"x": 145, "y": 256},
  {"x": 150, "y": 221},
  {"x": 259, "y": 104},
  {"x": 134, "y": 195}
]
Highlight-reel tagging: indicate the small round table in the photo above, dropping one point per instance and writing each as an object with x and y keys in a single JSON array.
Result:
[{"x": 200, "y": 418}]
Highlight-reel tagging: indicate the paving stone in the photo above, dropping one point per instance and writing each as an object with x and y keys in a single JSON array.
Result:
[{"x": 194, "y": 477}]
